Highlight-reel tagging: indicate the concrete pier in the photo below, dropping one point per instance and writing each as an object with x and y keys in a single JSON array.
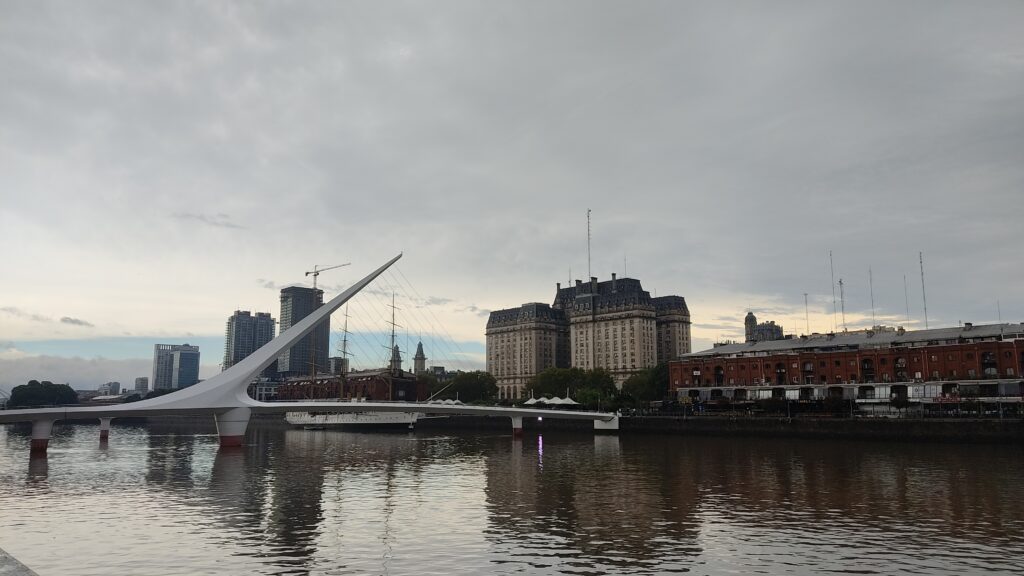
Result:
[
  {"x": 231, "y": 426},
  {"x": 517, "y": 426},
  {"x": 104, "y": 429},
  {"x": 41, "y": 431}
]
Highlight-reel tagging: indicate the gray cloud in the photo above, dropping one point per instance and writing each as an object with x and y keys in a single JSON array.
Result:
[
  {"x": 269, "y": 284},
  {"x": 726, "y": 327},
  {"x": 219, "y": 220},
  {"x": 481, "y": 312},
  {"x": 80, "y": 373},
  {"x": 724, "y": 149},
  {"x": 435, "y": 301},
  {"x": 14, "y": 311},
  {"x": 75, "y": 322}
]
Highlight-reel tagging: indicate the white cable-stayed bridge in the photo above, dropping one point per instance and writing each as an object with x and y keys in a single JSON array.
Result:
[{"x": 226, "y": 398}]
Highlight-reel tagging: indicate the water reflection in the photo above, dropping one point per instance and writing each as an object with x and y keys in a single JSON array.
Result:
[{"x": 326, "y": 502}]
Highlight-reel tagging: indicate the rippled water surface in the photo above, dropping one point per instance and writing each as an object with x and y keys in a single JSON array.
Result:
[{"x": 164, "y": 500}]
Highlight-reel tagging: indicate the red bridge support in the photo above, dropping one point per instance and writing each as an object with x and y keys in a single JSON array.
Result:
[
  {"x": 104, "y": 430},
  {"x": 41, "y": 431},
  {"x": 517, "y": 426}
]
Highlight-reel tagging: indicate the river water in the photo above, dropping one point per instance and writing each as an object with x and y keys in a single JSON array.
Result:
[{"x": 163, "y": 500}]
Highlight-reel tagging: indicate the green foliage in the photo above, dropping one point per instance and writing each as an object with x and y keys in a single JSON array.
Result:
[
  {"x": 433, "y": 385},
  {"x": 43, "y": 393},
  {"x": 132, "y": 398},
  {"x": 591, "y": 388},
  {"x": 647, "y": 385},
  {"x": 471, "y": 387}
]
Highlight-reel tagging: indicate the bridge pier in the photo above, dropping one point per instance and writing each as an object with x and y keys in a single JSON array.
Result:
[
  {"x": 231, "y": 426},
  {"x": 104, "y": 430},
  {"x": 41, "y": 430},
  {"x": 517, "y": 426}
]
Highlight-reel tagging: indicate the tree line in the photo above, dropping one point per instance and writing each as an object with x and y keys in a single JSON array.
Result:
[{"x": 592, "y": 389}]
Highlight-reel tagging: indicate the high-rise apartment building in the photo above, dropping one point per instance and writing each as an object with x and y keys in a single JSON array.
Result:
[
  {"x": 296, "y": 304},
  {"x": 613, "y": 325},
  {"x": 175, "y": 366},
  {"x": 142, "y": 384},
  {"x": 245, "y": 333}
]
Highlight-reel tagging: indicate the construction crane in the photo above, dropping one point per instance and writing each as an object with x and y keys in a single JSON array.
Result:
[
  {"x": 312, "y": 340},
  {"x": 317, "y": 270}
]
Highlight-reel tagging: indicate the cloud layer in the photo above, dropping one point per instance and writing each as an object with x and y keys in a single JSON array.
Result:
[{"x": 158, "y": 159}]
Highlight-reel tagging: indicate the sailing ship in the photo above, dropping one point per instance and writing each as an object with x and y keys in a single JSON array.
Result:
[{"x": 388, "y": 384}]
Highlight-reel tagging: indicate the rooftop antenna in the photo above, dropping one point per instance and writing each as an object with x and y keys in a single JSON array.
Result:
[
  {"x": 999, "y": 312},
  {"x": 842, "y": 301},
  {"x": 625, "y": 274},
  {"x": 871, "y": 287},
  {"x": 924, "y": 297},
  {"x": 807, "y": 315},
  {"x": 832, "y": 268},
  {"x": 906, "y": 298},
  {"x": 589, "y": 275}
]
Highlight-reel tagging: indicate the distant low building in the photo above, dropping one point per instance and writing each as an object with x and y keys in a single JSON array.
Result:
[{"x": 763, "y": 332}]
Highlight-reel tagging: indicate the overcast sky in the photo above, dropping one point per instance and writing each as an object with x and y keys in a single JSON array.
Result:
[{"x": 163, "y": 164}]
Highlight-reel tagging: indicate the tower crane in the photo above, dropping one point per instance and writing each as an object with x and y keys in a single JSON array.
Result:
[
  {"x": 312, "y": 340},
  {"x": 317, "y": 270}
]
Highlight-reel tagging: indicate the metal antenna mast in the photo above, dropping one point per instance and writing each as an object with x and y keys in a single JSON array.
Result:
[
  {"x": 842, "y": 300},
  {"x": 924, "y": 297},
  {"x": 807, "y": 315},
  {"x": 832, "y": 268},
  {"x": 589, "y": 274},
  {"x": 871, "y": 286}
]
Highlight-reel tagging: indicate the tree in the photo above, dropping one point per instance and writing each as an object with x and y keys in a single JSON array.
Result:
[
  {"x": 43, "y": 393},
  {"x": 591, "y": 388},
  {"x": 156, "y": 393},
  {"x": 474, "y": 386},
  {"x": 433, "y": 384},
  {"x": 900, "y": 403},
  {"x": 133, "y": 398},
  {"x": 647, "y": 385},
  {"x": 556, "y": 382}
]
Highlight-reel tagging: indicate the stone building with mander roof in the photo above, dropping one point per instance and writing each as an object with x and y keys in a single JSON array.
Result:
[{"x": 614, "y": 325}]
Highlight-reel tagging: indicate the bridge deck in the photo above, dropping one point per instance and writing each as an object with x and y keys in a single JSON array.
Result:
[{"x": 125, "y": 411}]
